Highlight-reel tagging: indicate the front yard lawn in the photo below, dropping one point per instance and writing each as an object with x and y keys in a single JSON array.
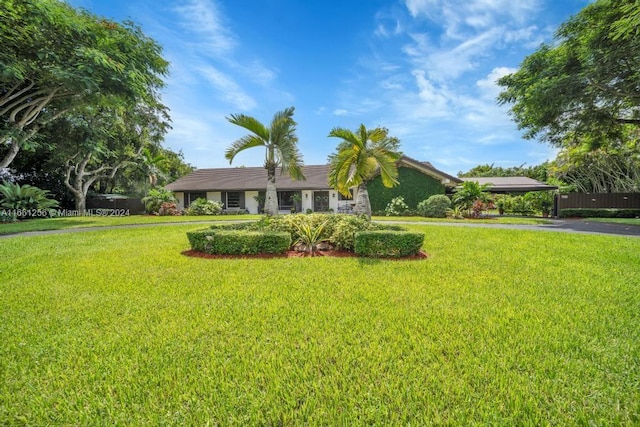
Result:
[{"x": 500, "y": 327}]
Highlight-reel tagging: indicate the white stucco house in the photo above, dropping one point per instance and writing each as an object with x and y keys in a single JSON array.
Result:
[{"x": 241, "y": 188}]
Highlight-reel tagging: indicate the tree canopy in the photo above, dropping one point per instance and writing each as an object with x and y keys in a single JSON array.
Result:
[
  {"x": 55, "y": 58},
  {"x": 359, "y": 157},
  {"x": 584, "y": 84}
]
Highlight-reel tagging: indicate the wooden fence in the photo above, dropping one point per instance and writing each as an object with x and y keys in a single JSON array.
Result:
[
  {"x": 599, "y": 201},
  {"x": 134, "y": 206}
]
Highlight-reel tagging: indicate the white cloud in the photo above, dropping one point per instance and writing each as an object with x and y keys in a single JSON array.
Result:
[
  {"x": 488, "y": 86},
  {"x": 340, "y": 112},
  {"x": 227, "y": 88},
  {"x": 203, "y": 18}
]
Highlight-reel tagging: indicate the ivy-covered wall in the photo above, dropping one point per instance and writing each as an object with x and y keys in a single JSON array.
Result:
[{"x": 414, "y": 186}]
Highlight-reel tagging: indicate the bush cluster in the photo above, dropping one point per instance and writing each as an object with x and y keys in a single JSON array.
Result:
[
  {"x": 204, "y": 207},
  {"x": 396, "y": 207},
  {"x": 239, "y": 242},
  {"x": 383, "y": 243},
  {"x": 435, "y": 206},
  {"x": 599, "y": 213}
]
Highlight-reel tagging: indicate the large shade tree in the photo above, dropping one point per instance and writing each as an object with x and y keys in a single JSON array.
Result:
[
  {"x": 585, "y": 84},
  {"x": 98, "y": 141},
  {"x": 359, "y": 158},
  {"x": 281, "y": 149},
  {"x": 55, "y": 58}
]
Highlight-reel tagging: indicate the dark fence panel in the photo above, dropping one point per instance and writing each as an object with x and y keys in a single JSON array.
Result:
[
  {"x": 599, "y": 201},
  {"x": 134, "y": 206}
]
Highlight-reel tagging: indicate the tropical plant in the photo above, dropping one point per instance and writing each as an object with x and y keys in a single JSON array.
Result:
[
  {"x": 456, "y": 212},
  {"x": 470, "y": 191},
  {"x": 360, "y": 157},
  {"x": 280, "y": 142},
  {"x": 396, "y": 207},
  {"x": 23, "y": 201},
  {"x": 309, "y": 235},
  {"x": 155, "y": 198},
  {"x": 541, "y": 201},
  {"x": 204, "y": 207},
  {"x": 435, "y": 206}
]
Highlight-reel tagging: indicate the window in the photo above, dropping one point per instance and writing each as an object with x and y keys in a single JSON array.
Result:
[
  {"x": 233, "y": 200},
  {"x": 191, "y": 197}
]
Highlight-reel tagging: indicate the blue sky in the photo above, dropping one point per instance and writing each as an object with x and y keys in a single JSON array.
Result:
[{"x": 425, "y": 69}]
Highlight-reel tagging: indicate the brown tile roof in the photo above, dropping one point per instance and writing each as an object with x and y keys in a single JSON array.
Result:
[
  {"x": 255, "y": 178},
  {"x": 249, "y": 178}
]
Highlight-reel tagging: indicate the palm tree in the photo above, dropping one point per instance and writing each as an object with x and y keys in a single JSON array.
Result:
[
  {"x": 359, "y": 158},
  {"x": 280, "y": 142}
]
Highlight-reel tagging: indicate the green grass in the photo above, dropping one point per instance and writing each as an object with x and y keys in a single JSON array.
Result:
[
  {"x": 44, "y": 224},
  {"x": 628, "y": 221},
  {"x": 492, "y": 220},
  {"x": 496, "y": 327}
]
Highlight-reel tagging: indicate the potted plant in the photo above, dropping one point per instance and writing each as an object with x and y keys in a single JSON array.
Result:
[{"x": 295, "y": 200}]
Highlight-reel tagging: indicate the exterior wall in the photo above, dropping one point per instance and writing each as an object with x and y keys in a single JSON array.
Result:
[
  {"x": 214, "y": 196},
  {"x": 307, "y": 200},
  {"x": 179, "y": 195},
  {"x": 333, "y": 200},
  {"x": 414, "y": 186},
  {"x": 250, "y": 203}
]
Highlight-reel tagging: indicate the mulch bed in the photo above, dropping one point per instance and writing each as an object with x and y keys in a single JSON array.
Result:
[{"x": 294, "y": 254}]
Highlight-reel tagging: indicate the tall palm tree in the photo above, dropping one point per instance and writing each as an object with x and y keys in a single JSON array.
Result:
[
  {"x": 359, "y": 158},
  {"x": 281, "y": 149}
]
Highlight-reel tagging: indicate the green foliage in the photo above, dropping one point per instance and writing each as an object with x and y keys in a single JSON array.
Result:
[
  {"x": 435, "y": 206},
  {"x": 204, "y": 207},
  {"x": 358, "y": 158},
  {"x": 280, "y": 142},
  {"x": 414, "y": 186},
  {"x": 599, "y": 213},
  {"x": 155, "y": 198},
  {"x": 455, "y": 212},
  {"x": 25, "y": 201},
  {"x": 384, "y": 243},
  {"x": 309, "y": 236},
  {"x": 344, "y": 231},
  {"x": 470, "y": 191},
  {"x": 539, "y": 172},
  {"x": 396, "y": 207},
  {"x": 239, "y": 242},
  {"x": 55, "y": 58},
  {"x": 540, "y": 201}
]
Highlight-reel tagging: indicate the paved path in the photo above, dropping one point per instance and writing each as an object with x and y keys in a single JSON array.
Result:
[{"x": 556, "y": 225}]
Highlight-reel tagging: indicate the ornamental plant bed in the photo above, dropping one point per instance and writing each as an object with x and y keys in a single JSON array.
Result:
[{"x": 295, "y": 254}]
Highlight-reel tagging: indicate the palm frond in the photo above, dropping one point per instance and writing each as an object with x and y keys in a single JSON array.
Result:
[
  {"x": 251, "y": 124},
  {"x": 248, "y": 141}
]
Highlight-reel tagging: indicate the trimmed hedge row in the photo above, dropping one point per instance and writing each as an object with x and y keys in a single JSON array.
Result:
[
  {"x": 391, "y": 244},
  {"x": 239, "y": 242},
  {"x": 599, "y": 213}
]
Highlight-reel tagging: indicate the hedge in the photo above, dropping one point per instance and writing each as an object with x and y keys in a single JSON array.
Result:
[
  {"x": 599, "y": 213},
  {"x": 392, "y": 244},
  {"x": 239, "y": 242}
]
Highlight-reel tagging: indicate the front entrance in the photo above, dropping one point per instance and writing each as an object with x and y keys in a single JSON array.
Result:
[{"x": 320, "y": 201}]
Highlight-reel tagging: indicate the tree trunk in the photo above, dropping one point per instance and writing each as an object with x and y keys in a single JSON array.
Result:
[
  {"x": 14, "y": 147},
  {"x": 271, "y": 196},
  {"x": 363, "y": 205},
  {"x": 80, "y": 201}
]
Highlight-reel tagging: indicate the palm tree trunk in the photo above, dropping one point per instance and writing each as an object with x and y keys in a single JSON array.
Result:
[
  {"x": 271, "y": 196},
  {"x": 363, "y": 205}
]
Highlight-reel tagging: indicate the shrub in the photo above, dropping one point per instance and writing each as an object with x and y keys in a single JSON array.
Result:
[
  {"x": 23, "y": 200},
  {"x": 310, "y": 236},
  {"x": 396, "y": 207},
  {"x": 290, "y": 223},
  {"x": 394, "y": 244},
  {"x": 204, "y": 207},
  {"x": 455, "y": 212},
  {"x": 239, "y": 242},
  {"x": 435, "y": 206},
  {"x": 168, "y": 209},
  {"x": 599, "y": 213},
  {"x": 155, "y": 198},
  {"x": 478, "y": 207},
  {"x": 344, "y": 231}
]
